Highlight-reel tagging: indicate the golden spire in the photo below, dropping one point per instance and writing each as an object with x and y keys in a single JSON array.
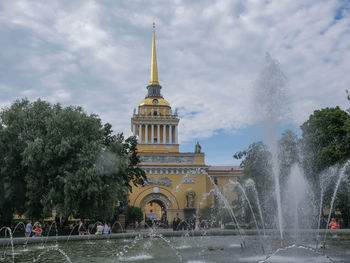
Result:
[{"x": 154, "y": 70}]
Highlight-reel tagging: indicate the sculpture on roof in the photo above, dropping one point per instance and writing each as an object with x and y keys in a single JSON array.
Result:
[{"x": 198, "y": 148}]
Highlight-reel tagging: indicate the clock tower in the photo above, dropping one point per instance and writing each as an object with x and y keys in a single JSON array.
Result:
[
  {"x": 154, "y": 122},
  {"x": 177, "y": 183}
]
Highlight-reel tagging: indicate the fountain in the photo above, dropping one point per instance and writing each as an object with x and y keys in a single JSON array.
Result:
[{"x": 287, "y": 242}]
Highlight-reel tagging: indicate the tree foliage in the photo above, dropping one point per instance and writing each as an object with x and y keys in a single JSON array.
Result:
[
  {"x": 256, "y": 161},
  {"x": 63, "y": 160},
  {"x": 132, "y": 214},
  {"x": 325, "y": 137},
  {"x": 326, "y": 142}
]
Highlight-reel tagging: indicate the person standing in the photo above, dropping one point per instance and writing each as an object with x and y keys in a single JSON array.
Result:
[
  {"x": 174, "y": 224},
  {"x": 106, "y": 229},
  {"x": 28, "y": 229},
  {"x": 178, "y": 223}
]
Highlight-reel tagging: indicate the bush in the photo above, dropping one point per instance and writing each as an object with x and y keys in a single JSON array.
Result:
[{"x": 132, "y": 214}]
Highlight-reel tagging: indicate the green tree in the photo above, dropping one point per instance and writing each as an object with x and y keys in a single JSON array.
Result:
[
  {"x": 132, "y": 214},
  {"x": 325, "y": 142},
  {"x": 323, "y": 136},
  {"x": 134, "y": 174},
  {"x": 22, "y": 122},
  {"x": 63, "y": 160},
  {"x": 256, "y": 161}
]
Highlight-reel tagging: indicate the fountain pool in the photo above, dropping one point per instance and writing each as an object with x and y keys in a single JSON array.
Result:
[{"x": 210, "y": 246}]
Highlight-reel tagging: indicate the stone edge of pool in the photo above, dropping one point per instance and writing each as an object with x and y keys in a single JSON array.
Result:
[{"x": 44, "y": 239}]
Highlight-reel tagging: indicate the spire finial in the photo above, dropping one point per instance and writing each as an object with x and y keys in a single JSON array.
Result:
[{"x": 154, "y": 69}]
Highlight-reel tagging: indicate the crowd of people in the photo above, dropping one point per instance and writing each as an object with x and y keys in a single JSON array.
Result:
[
  {"x": 36, "y": 230},
  {"x": 193, "y": 223},
  {"x": 33, "y": 230},
  {"x": 101, "y": 229},
  {"x": 83, "y": 227}
]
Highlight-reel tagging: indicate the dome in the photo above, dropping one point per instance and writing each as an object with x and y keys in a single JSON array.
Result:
[{"x": 154, "y": 101}]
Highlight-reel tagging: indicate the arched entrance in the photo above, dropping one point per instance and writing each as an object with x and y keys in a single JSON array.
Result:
[
  {"x": 161, "y": 198},
  {"x": 156, "y": 210},
  {"x": 155, "y": 207}
]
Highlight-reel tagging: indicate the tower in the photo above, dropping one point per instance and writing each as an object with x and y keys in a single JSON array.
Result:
[
  {"x": 176, "y": 182},
  {"x": 154, "y": 122}
]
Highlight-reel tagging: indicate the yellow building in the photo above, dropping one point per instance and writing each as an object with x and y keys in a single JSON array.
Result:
[{"x": 178, "y": 183}]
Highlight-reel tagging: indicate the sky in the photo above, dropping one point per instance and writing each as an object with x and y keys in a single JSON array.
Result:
[{"x": 97, "y": 54}]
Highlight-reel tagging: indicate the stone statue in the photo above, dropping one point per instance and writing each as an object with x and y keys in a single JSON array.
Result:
[
  {"x": 198, "y": 148},
  {"x": 190, "y": 196}
]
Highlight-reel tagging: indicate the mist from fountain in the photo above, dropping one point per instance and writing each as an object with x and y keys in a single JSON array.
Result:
[
  {"x": 250, "y": 184},
  {"x": 270, "y": 98},
  {"x": 48, "y": 233},
  {"x": 55, "y": 249},
  {"x": 120, "y": 225},
  {"x": 325, "y": 180},
  {"x": 340, "y": 178},
  {"x": 298, "y": 201},
  {"x": 5, "y": 228},
  {"x": 227, "y": 206},
  {"x": 16, "y": 227}
]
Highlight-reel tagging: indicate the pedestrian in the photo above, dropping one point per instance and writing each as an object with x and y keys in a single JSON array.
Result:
[
  {"x": 28, "y": 230},
  {"x": 83, "y": 228},
  {"x": 106, "y": 229},
  {"x": 334, "y": 224},
  {"x": 37, "y": 230},
  {"x": 178, "y": 222}
]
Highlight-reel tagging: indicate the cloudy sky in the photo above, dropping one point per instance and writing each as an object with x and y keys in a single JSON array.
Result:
[{"x": 97, "y": 54}]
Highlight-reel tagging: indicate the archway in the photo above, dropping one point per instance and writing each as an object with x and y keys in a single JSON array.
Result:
[
  {"x": 156, "y": 211},
  {"x": 159, "y": 195}
]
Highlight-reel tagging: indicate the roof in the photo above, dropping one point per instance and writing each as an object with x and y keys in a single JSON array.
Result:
[{"x": 225, "y": 169}]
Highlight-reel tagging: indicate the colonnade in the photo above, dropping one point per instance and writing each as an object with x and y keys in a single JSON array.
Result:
[
  {"x": 170, "y": 133},
  {"x": 155, "y": 112}
]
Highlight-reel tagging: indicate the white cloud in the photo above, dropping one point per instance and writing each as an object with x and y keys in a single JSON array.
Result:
[{"x": 97, "y": 54}]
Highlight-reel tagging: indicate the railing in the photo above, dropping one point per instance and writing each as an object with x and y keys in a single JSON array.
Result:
[{"x": 143, "y": 116}]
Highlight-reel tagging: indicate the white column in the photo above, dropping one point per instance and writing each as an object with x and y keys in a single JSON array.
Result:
[
  {"x": 170, "y": 134},
  {"x": 140, "y": 132},
  {"x": 176, "y": 134},
  {"x": 152, "y": 134},
  {"x": 158, "y": 133},
  {"x": 134, "y": 129},
  {"x": 146, "y": 133},
  {"x": 164, "y": 135}
]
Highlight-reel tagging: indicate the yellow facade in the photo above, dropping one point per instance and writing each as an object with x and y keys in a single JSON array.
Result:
[{"x": 178, "y": 183}]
